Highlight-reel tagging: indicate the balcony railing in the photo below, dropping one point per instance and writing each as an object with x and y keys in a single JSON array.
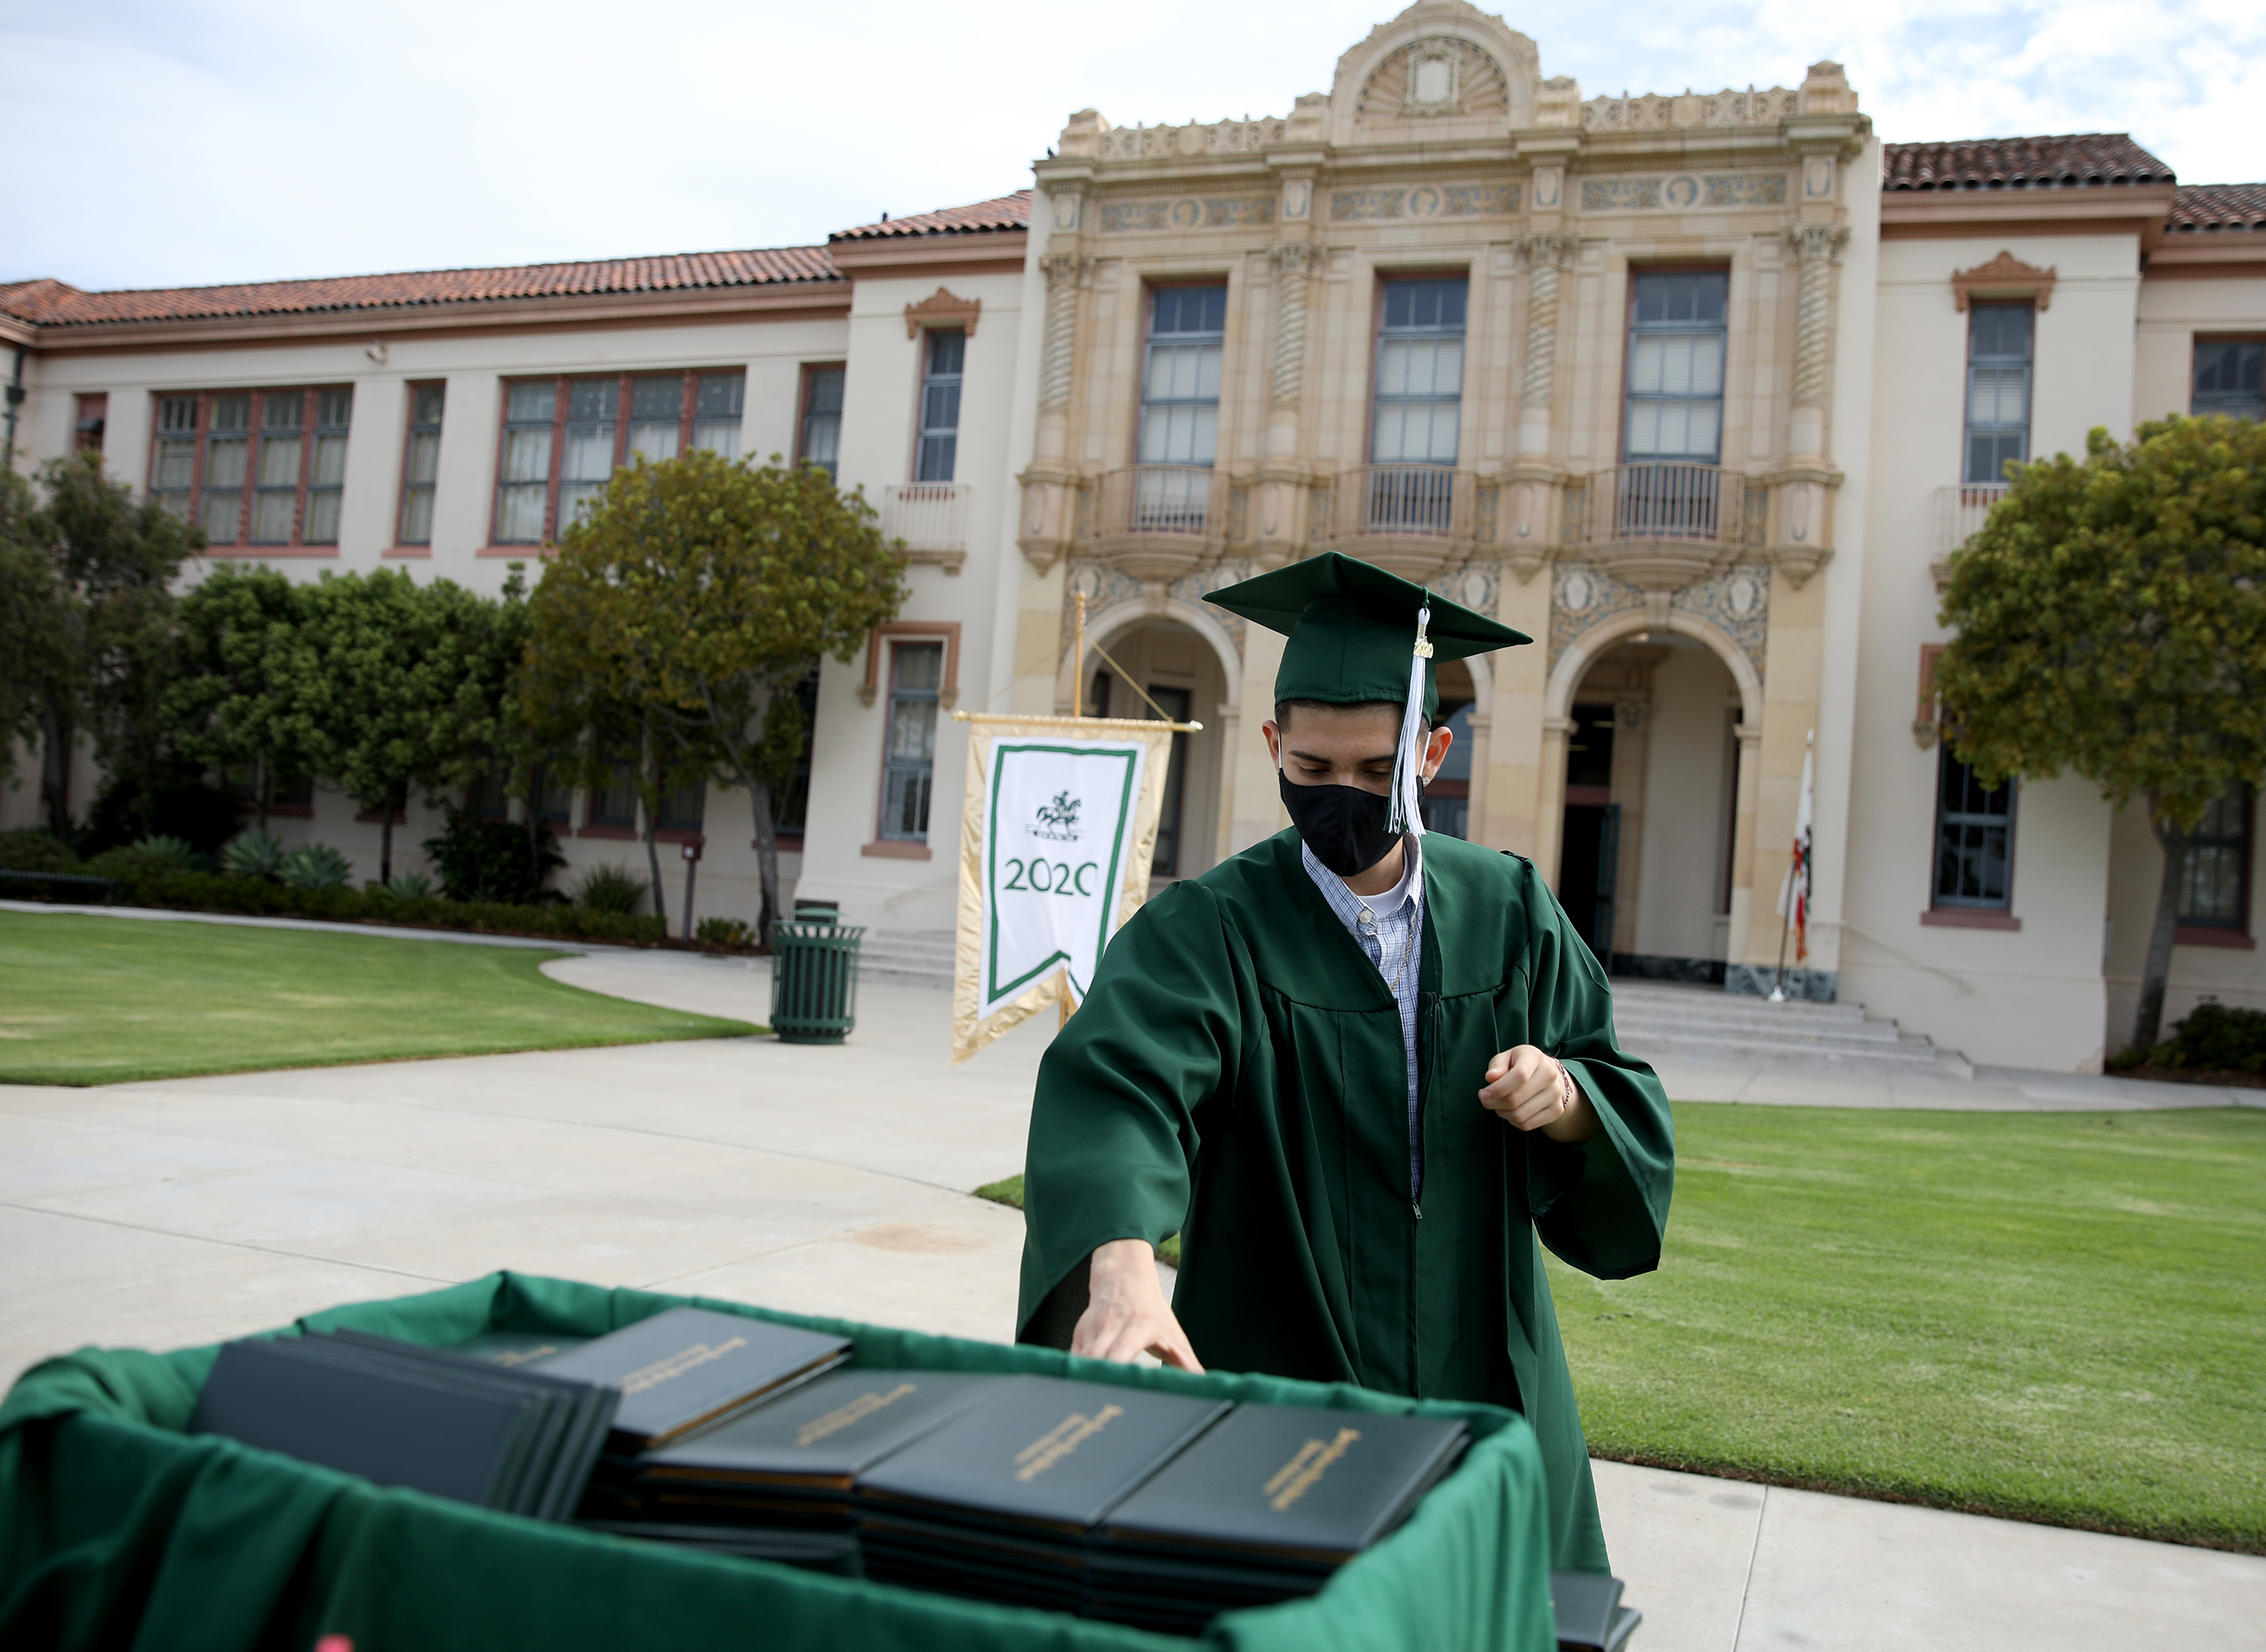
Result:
[
  {"x": 1959, "y": 514},
  {"x": 1179, "y": 500},
  {"x": 1661, "y": 500},
  {"x": 1392, "y": 501},
  {"x": 926, "y": 515}
]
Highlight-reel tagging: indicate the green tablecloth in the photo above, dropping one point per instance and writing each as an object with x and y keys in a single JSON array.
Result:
[{"x": 117, "y": 1528}]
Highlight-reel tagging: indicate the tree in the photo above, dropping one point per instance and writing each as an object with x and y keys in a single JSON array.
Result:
[
  {"x": 2111, "y": 620},
  {"x": 104, "y": 642},
  {"x": 389, "y": 687},
  {"x": 223, "y": 705},
  {"x": 31, "y": 621},
  {"x": 699, "y": 591}
]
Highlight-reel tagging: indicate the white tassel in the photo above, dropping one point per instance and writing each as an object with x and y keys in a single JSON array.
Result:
[{"x": 1407, "y": 811}]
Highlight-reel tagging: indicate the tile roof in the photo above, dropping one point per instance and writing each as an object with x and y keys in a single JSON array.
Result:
[
  {"x": 1007, "y": 212},
  {"x": 2021, "y": 163},
  {"x": 53, "y": 304},
  {"x": 47, "y": 302},
  {"x": 2199, "y": 207}
]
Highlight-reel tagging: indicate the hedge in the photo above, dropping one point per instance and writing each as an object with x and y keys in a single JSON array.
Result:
[{"x": 155, "y": 880}]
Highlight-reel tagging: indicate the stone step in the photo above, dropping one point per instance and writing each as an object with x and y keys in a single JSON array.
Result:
[
  {"x": 1706, "y": 1024},
  {"x": 909, "y": 954}
]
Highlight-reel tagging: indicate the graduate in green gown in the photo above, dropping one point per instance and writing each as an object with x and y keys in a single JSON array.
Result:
[{"x": 1357, "y": 1068}]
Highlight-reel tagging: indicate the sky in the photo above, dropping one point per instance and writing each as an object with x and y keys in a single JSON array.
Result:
[{"x": 171, "y": 142}]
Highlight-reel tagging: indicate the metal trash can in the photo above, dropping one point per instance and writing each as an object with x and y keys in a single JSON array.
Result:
[{"x": 814, "y": 978}]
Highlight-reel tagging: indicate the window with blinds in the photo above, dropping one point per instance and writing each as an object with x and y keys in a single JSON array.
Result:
[
  {"x": 1998, "y": 390},
  {"x": 1179, "y": 379},
  {"x": 563, "y": 439},
  {"x": 940, "y": 407},
  {"x": 2230, "y": 377},
  {"x": 821, "y": 417},
  {"x": 420, "y": 464},
  {"x": 1677, "y": 331},
  {"x": 916, "y": 677},
  {"x": 1420, "y": 373},
  {"x": 257, "y": 470}
]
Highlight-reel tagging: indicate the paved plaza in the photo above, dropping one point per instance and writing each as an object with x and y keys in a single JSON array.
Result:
[{"x": 838, "y": 1180}]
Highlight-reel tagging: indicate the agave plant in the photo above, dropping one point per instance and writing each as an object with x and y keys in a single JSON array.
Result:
[
  {"x": 406, "y": 886},
  {"x": 253, "y": 853},
  {"x": 171, "y": 847},
  {"x": 316, "y": 866},
  {"x": 609, "y": 890}
]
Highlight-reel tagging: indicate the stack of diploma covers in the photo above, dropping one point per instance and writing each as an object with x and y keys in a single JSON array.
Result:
[
  {"x": 400, "y": 1414},
  {"x": 738, "y": 1436},
  {"x": 516, "y": 1424}
]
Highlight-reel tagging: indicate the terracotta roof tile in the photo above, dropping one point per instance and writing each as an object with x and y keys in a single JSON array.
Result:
[
  {"x": 1007, "y": 212},
  {"x": 2085, "y": 159},
  {"x": 53, "y": 304},
  {"x": 2206, "y": 207}
]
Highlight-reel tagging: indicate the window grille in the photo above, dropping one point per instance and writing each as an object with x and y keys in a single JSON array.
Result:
[
  {"x": 939, "y": 411},
  {"x": 2214, "y": 873},
  {"x": 2230, "y": 377},
  {"x": 915, "y": 674},
  {"x": 821, "y": 417},
  {"x": 1974, "y": 838},
  {"x": 421, "y": 463}
]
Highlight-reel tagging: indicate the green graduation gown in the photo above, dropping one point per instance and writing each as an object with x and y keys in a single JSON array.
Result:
[{"x": 1237, "y": 1075}]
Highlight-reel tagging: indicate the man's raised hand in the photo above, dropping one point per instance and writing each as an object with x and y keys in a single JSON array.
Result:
[{"x": 1531, "y": 1091}]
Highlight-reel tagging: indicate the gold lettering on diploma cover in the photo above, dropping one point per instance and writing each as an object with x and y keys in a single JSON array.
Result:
[
  {"x": 1296, "y": 1477},
  {"x": 841, "y": 1416},
  {"x": 1061, "y": 1440},
  {"x": 677, "y": 1364}
]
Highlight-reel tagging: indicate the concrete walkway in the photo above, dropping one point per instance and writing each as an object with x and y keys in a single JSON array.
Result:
[{"x": 837, "y": 1180}]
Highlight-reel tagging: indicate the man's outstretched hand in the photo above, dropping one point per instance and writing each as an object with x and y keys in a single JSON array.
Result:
[{"x": 1126, "y": 1313}]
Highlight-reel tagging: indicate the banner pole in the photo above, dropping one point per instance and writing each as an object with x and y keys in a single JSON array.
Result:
[{"x": 1078, "y": 663}]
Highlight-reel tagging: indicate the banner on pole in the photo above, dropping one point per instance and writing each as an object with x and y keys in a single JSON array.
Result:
[{"x": 1056, "y": 842}]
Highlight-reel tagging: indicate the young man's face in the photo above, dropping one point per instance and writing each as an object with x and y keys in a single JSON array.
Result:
[{"x": 1346, "y": 745}]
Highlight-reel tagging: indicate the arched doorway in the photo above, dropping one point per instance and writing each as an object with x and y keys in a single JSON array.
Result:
[
  {"x": 1180, "y": 670},
  {"x": 1651, "y": 807}
]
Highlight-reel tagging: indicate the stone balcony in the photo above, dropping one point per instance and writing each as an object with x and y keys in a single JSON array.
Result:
[
  {"x": 1662, "y": 524},
  {"x": 932, "y": 518},
  {"x": 1156, "y": 522},
  {"x": 1414, "y": 520},
  {"x": 1957, "y": 517}
]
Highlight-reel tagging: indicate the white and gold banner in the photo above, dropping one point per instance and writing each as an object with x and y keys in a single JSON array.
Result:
[{"x": 1055, "y": 848}]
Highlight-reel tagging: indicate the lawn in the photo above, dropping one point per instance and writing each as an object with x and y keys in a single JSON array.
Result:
[
  {"x": 98, "y": 1000},
  {"x": 2058, "y": 1316},
  {"x": 2055, "y": 1316}
]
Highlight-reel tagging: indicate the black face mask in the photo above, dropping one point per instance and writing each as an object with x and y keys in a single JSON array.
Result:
[{"x": 1342, "y": 824}]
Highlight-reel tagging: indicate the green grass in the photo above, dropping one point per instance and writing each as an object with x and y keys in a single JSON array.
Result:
[
  {"x": 2057, "y": 1317},
  {"x": 1010, "y": 1192},
  {"x": 98, "y": 1000}
]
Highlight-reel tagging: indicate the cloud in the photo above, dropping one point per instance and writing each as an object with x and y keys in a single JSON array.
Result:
[{"x": 218, "y": 140}]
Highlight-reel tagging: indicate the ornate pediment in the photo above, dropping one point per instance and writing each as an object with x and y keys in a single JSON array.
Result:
[
  {"x": 1440, "y": 61},
  {"x": 2005, "y": 276},
  {"x": 1434, "y": 77},
  {"x": 943, "y": 309}
]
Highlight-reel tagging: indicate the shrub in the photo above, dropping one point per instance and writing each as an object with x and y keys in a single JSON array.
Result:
[
  {"x": 158, "y": 882},
  {"x": 2217, "y": 1039},
  {"x": 178, "y": 848},
  {"x": 493, "y": 859},
  {"x": 30, "y": 849},
  {"x": 406, "y": 886},
  {"x": 316, "y": 866},
  {"x": 203, "y": 816},
  {"x": 253, "y": 853},
  {"x": 609, "y": 890},
  {"x": 723, "y": 935}
]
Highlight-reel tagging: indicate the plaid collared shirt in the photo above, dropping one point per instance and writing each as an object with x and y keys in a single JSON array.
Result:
[{"x": 1393, "y": 941}]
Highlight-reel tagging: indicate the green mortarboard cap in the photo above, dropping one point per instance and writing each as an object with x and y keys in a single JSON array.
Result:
[{"x": 1352, "y": 628}]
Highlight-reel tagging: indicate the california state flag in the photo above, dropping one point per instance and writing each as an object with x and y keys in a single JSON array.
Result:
[{"x": 1794, "y": 893}]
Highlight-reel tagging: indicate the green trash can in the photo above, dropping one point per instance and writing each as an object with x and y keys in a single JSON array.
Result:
[{"x": 814, "y": 979}]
